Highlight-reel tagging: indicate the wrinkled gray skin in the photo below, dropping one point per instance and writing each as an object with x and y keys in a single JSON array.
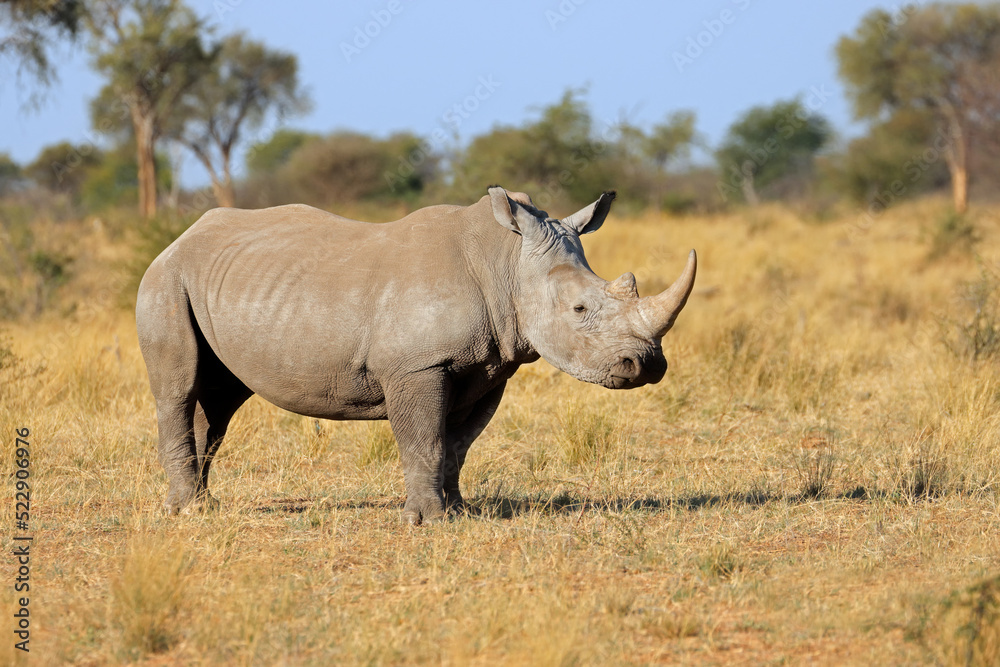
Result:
[{"x": 419, "y": 321}]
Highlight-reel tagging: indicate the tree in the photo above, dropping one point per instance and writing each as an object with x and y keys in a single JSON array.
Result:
[
  {"x": 671, "y": 139},
  {"x": 10, "y": 174},
  {"x": 247, "y": 83},
  {"x": 892, "y": 161},
  {"x": 268, "y": 156},
  {"x": 768, "y": 144},
  {"x": 350, "y": 167},
  {"x": 557, "y": 158},
  {"x": 30, "y": 27},
  {"x": 113, "y": 181},
  {"x": 63, "y": 167},
  {"x": 939, "y": 57},
  {"x": 151, "y": 51}
]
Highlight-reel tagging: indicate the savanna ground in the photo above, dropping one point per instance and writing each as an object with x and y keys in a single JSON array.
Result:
[{"x": 816, "y": 480}]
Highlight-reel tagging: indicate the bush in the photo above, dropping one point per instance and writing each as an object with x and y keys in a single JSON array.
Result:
[
  {"x": 349, "y": 167},
  {"x": 976, "y": 338},
  {"x": 955, "y": 232}
]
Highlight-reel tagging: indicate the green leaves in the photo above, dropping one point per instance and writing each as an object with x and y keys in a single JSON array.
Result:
[
  {"x": 939, "y": 57},
  {"x": 768, "y": 144}
]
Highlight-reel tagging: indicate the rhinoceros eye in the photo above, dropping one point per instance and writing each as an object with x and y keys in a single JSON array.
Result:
[{"x": 579, "y": 309}]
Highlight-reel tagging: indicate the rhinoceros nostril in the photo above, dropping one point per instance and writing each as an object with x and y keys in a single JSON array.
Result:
[{"x": 629, "y": 366}]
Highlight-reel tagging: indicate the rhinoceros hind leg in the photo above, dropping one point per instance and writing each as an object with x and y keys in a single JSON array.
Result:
[
  {"x": 220, "y": 395},
  {"x": 177, "y": 451},
  {"x": 183, "y": 375}
]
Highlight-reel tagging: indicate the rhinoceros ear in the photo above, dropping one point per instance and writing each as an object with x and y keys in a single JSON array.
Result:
[
  {"x": 590, "y": 219},
  {"x": 505, "y": 209}
]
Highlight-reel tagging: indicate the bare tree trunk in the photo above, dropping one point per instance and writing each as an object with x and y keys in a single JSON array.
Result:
[
  {"x": 227, "y": 194},
  {"x": 222, "y": 185},
  {"x": 960, "y": 188},
  {"x": 749, "y": 192},
  {"x": 957, "y": 157},
  {"x": 176, "y": 158},
  {"x": 223, "y": 191},
  {"x": 145, "y": 142}
]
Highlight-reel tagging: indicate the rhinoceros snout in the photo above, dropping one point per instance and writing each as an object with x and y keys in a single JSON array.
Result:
[{"x": 635, "y": 371}]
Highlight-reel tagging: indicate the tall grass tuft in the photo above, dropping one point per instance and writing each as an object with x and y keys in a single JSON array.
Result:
[
  {"x": 589, "y": 434},
  {"x": 721, "y": 561},
  {"x": 815, "y": 461},
  {"x": 919, "y": 466},
  {"x": 150, "y": 596},
  {"x": 378, "y": 446}
]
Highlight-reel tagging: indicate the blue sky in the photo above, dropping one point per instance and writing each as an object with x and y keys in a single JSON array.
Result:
[{"x": 499, "y": 62}]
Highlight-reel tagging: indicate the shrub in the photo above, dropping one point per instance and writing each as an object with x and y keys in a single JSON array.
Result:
[
  {"x": 956, "y": 233},
  {"x": 976, "y": 338}
]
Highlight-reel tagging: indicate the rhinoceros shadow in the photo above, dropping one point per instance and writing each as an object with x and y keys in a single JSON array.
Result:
[
  {"x": 498, "y": 505},
  {"x": 506, "y": 507}
]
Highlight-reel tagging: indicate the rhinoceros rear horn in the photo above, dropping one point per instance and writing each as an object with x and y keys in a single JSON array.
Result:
[
  {"x": 657, "y": 313},
  {"x": 590, "y": 218}
]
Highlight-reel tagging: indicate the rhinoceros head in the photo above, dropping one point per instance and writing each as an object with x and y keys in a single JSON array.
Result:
[{"x": 595, "y": 330}]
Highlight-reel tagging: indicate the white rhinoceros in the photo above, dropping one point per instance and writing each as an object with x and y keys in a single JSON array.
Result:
[{"x": 420, "y": 321}]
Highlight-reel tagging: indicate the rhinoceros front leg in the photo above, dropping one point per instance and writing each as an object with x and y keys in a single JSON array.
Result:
[
  {"x": 417, "y": 405},
  {"x": 459, "y": 437}
]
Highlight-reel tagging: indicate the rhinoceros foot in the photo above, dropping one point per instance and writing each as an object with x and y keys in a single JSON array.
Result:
[
  {"x": 417, "y": 512},
  {"x": 456, "y": 505},
  {"x": 204, "y": 504}
]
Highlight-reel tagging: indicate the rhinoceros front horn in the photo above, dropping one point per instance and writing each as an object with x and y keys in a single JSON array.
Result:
[{"x": 657, "y": 313}]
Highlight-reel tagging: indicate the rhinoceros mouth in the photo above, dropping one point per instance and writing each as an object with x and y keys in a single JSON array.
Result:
[{"x": 619, "y": 382}]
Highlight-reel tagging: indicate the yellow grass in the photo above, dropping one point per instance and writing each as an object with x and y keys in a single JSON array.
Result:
[{"x": 816, "y": 480}]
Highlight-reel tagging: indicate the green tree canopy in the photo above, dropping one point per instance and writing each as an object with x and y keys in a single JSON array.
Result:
[
  {"x": 768, "y": 144},
  {"x": 63, "y": 167},
  {"x": 268, "y": 156},
  {"x": 558, "y": 158},
  {"x": 895, "y": 160},
  {"x": 10, "y": 173},
  {"x": 348, "y": 166},
  {"x": 939, "y": 57},
  {"x": 95, "y": 178},
  {"x": 114, "y": 181},
  {"x": 671, "y": 139}
]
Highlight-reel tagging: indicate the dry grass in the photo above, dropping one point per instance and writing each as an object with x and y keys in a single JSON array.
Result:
[{"x": 816, "y": 480}]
